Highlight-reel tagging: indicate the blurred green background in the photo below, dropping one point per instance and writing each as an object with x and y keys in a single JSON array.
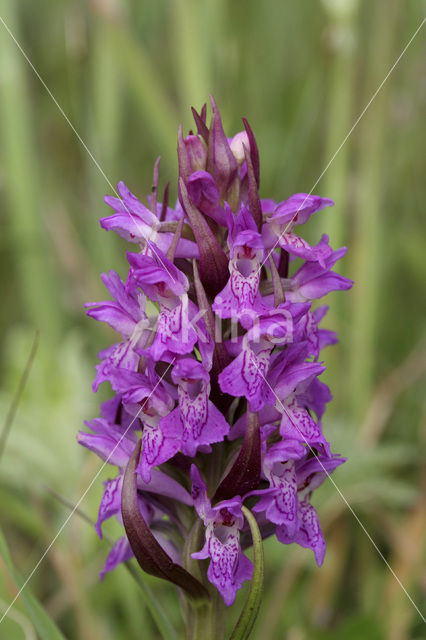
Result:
[{"x": 125, "y": 74}]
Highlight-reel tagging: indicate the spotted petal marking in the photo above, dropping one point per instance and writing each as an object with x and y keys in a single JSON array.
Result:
[
  {"x": 255, "y": 367},
  {"x": 175, "y": 332},
  {"x": 244, "y": 376},
  {"x": 280, "y": 508},
  {"x": 245, "y": 288},
  {"x": 300, "y": 248},
  {"x": 310, "y": 534},
  {"x": 156, "y": 449},
  {"x": 224, "y": 557},
  {"x": 241, "y": 295},
  {"x": 118, "y": 355},
  {"x": 229, "y": 567},
  {"x": 195, "y": 412},
  {"x": 297, "y": 424},
  {"x": 110, "y": 503},
  {"x": 283, "y": 510},
  {"x": 152, "y": 441}
]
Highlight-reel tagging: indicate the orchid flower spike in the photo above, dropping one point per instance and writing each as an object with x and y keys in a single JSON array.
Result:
[{"x": 216, "y": 405}]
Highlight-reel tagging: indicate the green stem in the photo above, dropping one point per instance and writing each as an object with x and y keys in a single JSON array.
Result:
[
  {"x": 204, "y": 620},
  {"x": 207, "y": 620},
  {"x": 157, "y": 612},
  {"x": 249, "y": 614}
]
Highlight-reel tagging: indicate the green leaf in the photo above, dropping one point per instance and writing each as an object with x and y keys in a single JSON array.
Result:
[
  {"x": 250, "y": 611},
  {"x": 45, "y": 626}
]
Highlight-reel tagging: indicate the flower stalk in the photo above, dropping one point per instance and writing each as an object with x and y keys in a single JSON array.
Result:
[
  {"x": 217, "y": 399},
  {"x": 251, "y": 608}
]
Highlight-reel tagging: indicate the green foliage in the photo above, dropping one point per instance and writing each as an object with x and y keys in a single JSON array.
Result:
[
  {"x": 353, "y": 629},
  {"x": 41, "y": 620}
]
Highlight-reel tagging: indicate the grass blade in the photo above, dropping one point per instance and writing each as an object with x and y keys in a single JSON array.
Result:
[
  {"x": 44, "y": 624},
  {"x": 15, "y": 401}
]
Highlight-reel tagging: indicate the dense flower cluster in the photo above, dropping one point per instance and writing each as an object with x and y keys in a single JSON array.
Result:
[{"x": 222, "y": 385}]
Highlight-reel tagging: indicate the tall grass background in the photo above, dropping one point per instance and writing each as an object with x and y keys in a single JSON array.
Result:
[{"x": 125, "y": 74}]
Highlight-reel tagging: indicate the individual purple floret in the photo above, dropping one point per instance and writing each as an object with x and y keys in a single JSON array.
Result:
[
  {"x": 228, "y": 567},
  {"x": 216, "y": 401},
  {"x": 196, "y": 420}
]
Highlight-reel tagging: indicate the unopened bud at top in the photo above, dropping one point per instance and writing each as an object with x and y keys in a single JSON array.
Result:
[
  {"x": 196, "y": 152},
  {"x": 237, "y": 144}
]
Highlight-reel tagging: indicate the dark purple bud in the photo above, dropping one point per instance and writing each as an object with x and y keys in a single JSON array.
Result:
[
  {"x": 254, "y": 152},
  {"x": 200, "y": 121},
  {"x": 221, "y": 162},
  {"x": 244, "y": 475},
  {"x": 197, "y": 152},
  {"x": 148, "y": 552},
  {"x": 204, "y": 194},
  {"x": 214, "y": 272},
  {"x": 252, "y": 192}
]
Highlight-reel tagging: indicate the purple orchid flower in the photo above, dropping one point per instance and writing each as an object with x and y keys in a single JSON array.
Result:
[
  {"x": 134, "y": 222},
  {"x": 240, "y": 299},
  {"x": 225, "y": 382},
  {"x": 150, "y": 402},
  {"x": 196, "y": 421},
  {"x": 279, "y": 468},
  {"x": 308, "y": 534},
  {"x": 314, "y": 280},
  {"x": 296, "y": 210},
  {"x": 228, "y": 567},
  {"x": 168, "y": 286},
  {"x": 246, "y": 374},
  {"x": 117, "y": 355},
  {"x": 126, "y": 313}
]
